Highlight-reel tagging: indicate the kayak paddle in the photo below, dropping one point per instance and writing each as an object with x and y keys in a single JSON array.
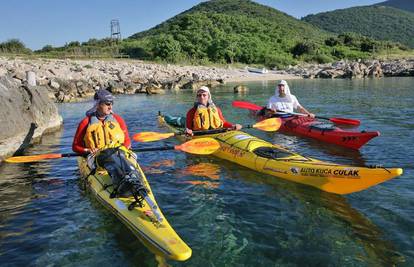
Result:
[
  {"x": 200, "y": 146},
  {"x": 24, "y": 159},
  {"x": 334, "y": 120},
  {"x": 268, "y": 125},
  {"x": 246, "y": 105},
  {"x": 254, "y": 107},
  {"x": 341, "y": 120}
]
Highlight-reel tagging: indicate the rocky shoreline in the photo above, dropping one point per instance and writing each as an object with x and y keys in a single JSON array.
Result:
[
  {"x": 73, "y": 80},
  {"x": 356, "y": 69},
  {"x": 28, "y": 87}
]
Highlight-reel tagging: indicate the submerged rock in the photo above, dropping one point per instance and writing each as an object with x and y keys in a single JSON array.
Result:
[{"x": 241, "y": 88}]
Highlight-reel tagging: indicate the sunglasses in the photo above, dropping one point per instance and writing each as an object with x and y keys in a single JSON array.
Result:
[
  {"x": 108, "y": 103},
  {"x": 202, "y": 95}
]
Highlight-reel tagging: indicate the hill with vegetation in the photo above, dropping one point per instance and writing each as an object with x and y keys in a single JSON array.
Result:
[
  {"x": 232, "y": 31},
  {"x": 227, "y": 31},
  {"x": 378, "y": 22},
  {"x": 407, "y": 5}
]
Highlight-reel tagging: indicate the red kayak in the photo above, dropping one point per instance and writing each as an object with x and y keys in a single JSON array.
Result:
[{"x": 309, "y": 127}]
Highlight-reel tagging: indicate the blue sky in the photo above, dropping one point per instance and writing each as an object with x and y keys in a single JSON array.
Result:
[{"x": 41, "y": 22}]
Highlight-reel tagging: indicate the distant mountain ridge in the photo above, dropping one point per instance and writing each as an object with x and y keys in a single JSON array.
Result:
[
  {"x": 376, "y": 21},
  {"x": 407, "y": 5}
]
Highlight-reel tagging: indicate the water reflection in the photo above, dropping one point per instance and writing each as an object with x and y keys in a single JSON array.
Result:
[
  {"x": 204, "y": 170},
  {"x": 295, "y": 143},
  {"x": 158, "y": 167},
  {"x": 363, "y": 230},
  {"x": 324, "y": 208}
]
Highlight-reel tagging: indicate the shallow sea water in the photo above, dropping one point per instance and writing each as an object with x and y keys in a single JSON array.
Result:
[{"x": 228, "y": 215}]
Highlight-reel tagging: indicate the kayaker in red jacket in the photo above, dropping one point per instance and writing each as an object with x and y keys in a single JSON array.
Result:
[
  {"x": 205, "y": 115},
  {"x": 101, "y": 127}
]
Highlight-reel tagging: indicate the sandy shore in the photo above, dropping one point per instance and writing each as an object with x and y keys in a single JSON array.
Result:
[{"x": 245, "y": 76}]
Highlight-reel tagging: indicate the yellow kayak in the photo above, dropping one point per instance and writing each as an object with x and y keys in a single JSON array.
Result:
[
  {"x": 147, "y": 222},
  {"x": 256, "y": 154}
]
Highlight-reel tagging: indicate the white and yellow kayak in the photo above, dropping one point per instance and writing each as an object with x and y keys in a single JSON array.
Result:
[
  {"x": 147, "y": 224},
  {"x": 256, "y": 154}
]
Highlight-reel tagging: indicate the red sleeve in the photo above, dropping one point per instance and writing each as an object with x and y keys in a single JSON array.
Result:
[
  {"x": 127, "y": 142},
  {"x": 78, "y": 144},
  {"x": 190, "y": 118},
  {"x": 226, "y": 124}
]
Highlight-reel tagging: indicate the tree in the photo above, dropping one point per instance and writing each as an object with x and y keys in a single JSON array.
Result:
[
  {"x": 14, "y": 46},
  {"x": 166, "y": 47},
  {"x": 304, "y": 48},
  {"x": 46, "y": 48}
]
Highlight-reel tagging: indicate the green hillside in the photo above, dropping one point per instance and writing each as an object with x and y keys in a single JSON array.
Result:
[
  {"x": 227, "y": 31},
  {"x": 379, "y": 22},
  {"x": 230, "y": 13},
  {"x": 232, "y": 31},
  {"x": 407, "y": 5}
]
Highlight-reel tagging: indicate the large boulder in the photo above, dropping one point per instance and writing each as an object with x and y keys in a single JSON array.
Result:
[{"x": 21, "y": 107}]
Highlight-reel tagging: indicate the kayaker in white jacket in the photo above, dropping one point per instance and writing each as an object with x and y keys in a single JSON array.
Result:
[{"x": 284, "y": 101}]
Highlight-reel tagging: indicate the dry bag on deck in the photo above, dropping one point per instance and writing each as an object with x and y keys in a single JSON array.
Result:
[
  {"x": 125, "y": 178},
  {"x": 175, "y": 121}
]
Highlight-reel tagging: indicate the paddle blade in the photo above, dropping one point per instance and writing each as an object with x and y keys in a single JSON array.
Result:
[
  {"x": 151, "y": 136},
  {"x": 269, "y": 125},
  {"x": 246, "y": 105},
  {"x": 200, "y": 146},
  {"x": 25, "y": 159},
  {"x": 345, "y": 121}
]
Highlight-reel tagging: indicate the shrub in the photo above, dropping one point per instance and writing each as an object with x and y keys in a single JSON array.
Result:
[
  {"x": 278, "y": 60},
  {"x": 166, "y": 47},
  {"x": 46, "y": 48},
  {"x": 302, "y": 48},
  {"x": 331, "y": 41},
  {"x": 14, "y": 46}
]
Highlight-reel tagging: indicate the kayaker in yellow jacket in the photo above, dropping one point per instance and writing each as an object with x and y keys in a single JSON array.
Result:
[
  {"x": 205, "y": 115},
  {"x": 101, "y": 127}
]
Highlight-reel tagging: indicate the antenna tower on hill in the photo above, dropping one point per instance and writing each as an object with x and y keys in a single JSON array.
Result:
[{"x": 115, "y": 30}]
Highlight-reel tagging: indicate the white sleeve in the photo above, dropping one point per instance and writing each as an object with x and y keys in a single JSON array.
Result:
[
  {"x": 295, "y": 102},
  {"x": 269, "y": 103}
]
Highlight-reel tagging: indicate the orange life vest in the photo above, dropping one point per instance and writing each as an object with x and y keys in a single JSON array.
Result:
[
  {"x": 206, "y": 118},
  {"x": 103, "y": 133}
]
